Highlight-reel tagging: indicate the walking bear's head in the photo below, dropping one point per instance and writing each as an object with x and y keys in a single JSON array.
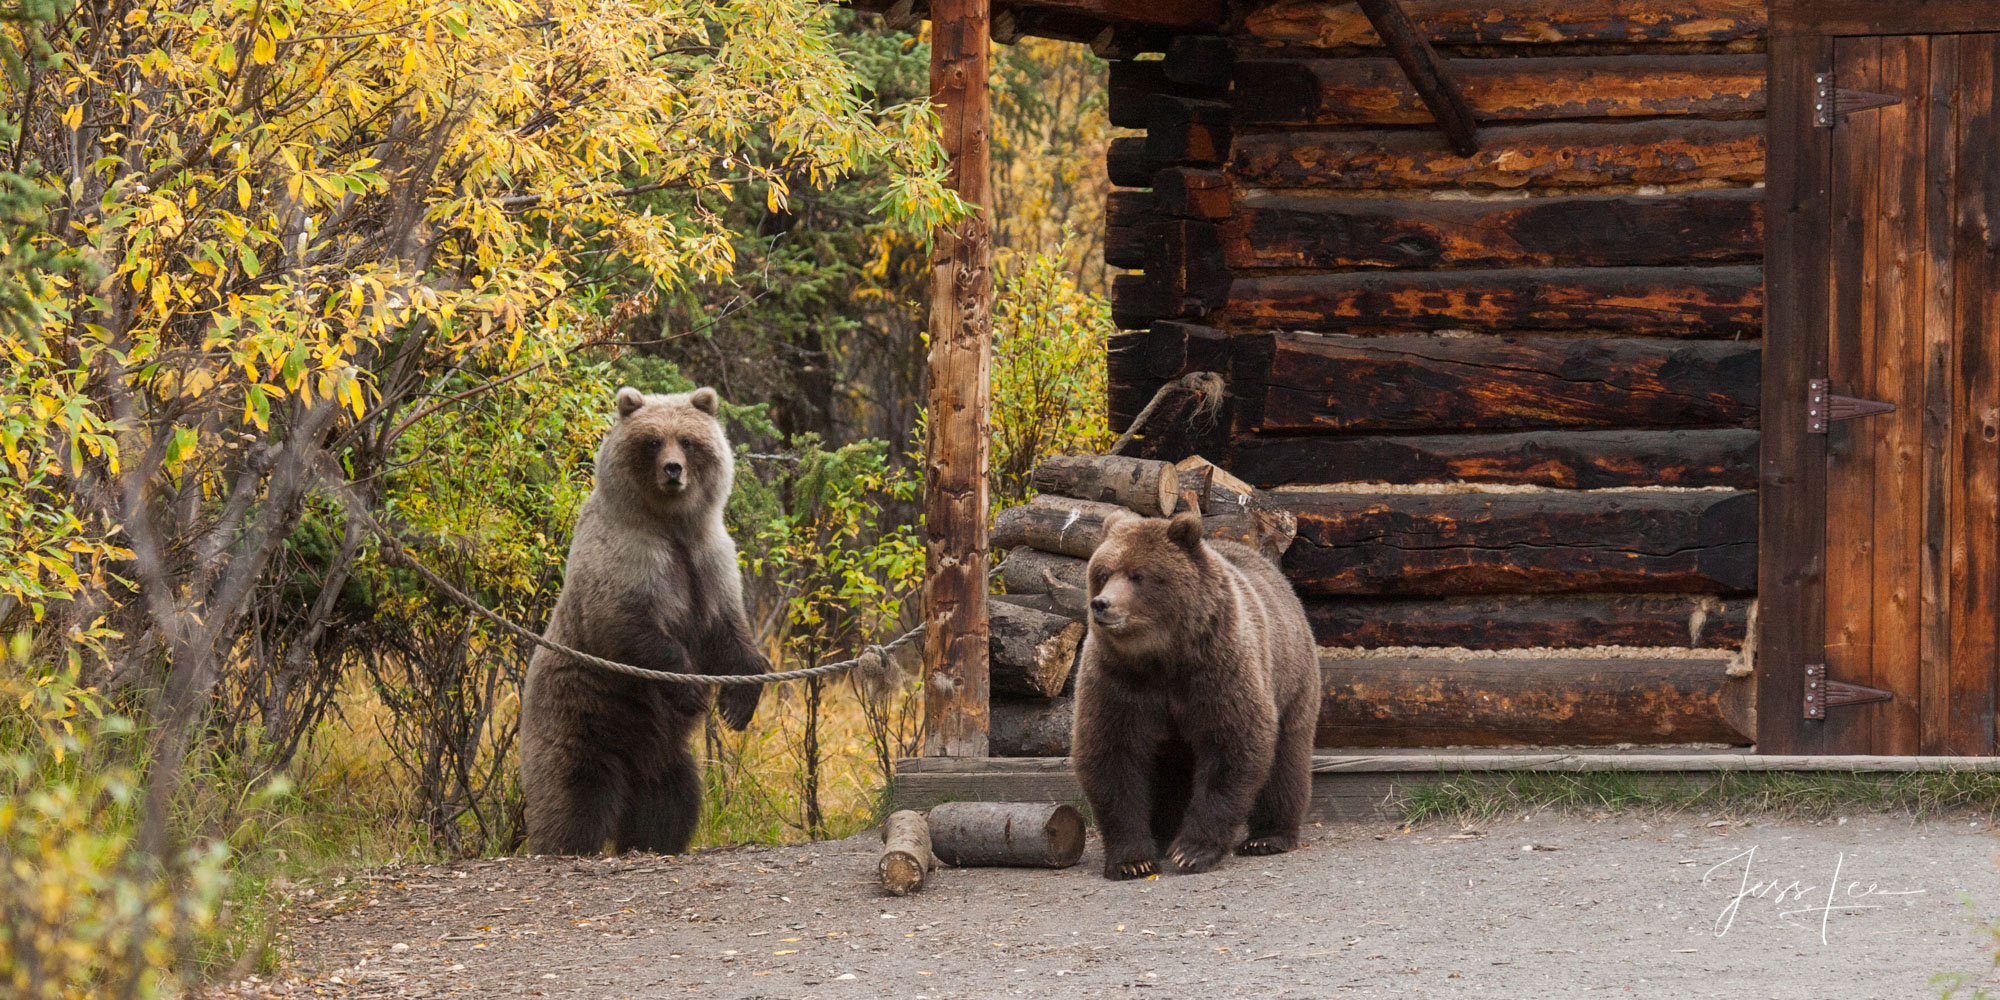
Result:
[
  {"x": 1146, "y": 582},
  {"x": 667, "y": 452}
]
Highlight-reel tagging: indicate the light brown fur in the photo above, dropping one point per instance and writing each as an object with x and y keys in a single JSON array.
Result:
[
  {"x": 1196, "y": 701},
  {"x": 651, "y": 581}
]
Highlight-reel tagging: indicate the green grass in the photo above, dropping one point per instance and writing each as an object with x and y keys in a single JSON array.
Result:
[{"x": 1474, "y": 798}]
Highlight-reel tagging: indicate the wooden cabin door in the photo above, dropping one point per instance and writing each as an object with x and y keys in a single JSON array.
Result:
[{"x": 1912, "y": 567}]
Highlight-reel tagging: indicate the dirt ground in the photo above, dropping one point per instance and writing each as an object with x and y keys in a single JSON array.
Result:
[{"x": 1552, "y": 906}]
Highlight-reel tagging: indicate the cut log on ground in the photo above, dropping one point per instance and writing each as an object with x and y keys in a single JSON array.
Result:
[
  {"x": 1032, "y": 651},
  {"x": 1142, "y": 484},
  {"x": 1031, "y": 727},
  {"x": 1007, "y": 834},
  {"x": 906, "y": 853},
  {"x": 1060, "y": 578}
]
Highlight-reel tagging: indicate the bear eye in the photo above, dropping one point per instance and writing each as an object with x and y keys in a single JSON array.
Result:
[
  {"x": 652, "y": 443},
  {"x": 1138, "y": 579},
  {"x": 687, "y": 444}
]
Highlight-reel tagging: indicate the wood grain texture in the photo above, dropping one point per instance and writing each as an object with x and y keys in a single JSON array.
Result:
[
  {"x": 1585, "y": 460},
  {"x": 955, "y": 454},
  {"x": 1370, "y": 91},
  {"x": 1345, "y": 383},
  {"x": 1522, "y": 543},
  {"x": 1562, "y": 155},
  {"x": 1558, "y": 622},
  {"x": 1873, "y": 17},
  {"x": 1939, "y": 82},
  {"x": 1060, "y": 578},
  {"x": 1325, "y": 24},
  {"x": 1708, "y": 227},
  {"x": 1031, "y": 652},
  {"x": 1146, "y": 486},
  {"x": 1688, "y": 302},
  {"x": 1974, "y": 560},
  {"x": 1425, "y": 701}
]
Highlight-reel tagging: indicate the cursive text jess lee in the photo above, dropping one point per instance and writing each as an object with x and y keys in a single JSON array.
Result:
[{"x": 1796, "y": 892}]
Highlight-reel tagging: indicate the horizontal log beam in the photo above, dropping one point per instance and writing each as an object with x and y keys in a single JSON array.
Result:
[
  {"x": 1070, "y": 20},
  {"x": 1325, "y": 24},
  {"x": 1707, "y": 227},
  {"x": 1523, "y": 543},
  {"x": 1557, "y": 622},
  {"x": 1718, "y": 302},
  {"x": 1347, "y": 383},
  {"x": 1031, "y": 651},
  {"x": 1375, "y": 92},
  {"x": 1576, "y": 460},
  {"x": 1426, "y": 701},
  {"x": 1061, "y": 579},
  {"x": 1480, "y": 701},
  {"x": 1568, "y": 154}
]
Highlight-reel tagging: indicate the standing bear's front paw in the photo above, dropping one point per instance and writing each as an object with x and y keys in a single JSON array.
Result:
[{"x": 1196, "y": 855}]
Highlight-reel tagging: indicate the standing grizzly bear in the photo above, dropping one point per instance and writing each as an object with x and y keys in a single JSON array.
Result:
[
  {"x": 1196, "y": 701},
  {"x": 651, "y": 581}
]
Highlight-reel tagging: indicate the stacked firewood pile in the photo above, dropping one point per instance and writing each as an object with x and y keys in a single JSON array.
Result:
[{"x": 1037, "y": 625}]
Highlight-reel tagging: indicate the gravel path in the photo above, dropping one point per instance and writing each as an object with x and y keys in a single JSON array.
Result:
[{"x": 1554, "y": 906}]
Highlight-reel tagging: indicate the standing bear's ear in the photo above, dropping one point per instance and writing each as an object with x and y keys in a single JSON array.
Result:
[
  {"x": 705, "y": 400},
  {"x": 1118, "y": 517},
  {"x": 1185, "y": 530},
  {"x": 629, "y": 399}
]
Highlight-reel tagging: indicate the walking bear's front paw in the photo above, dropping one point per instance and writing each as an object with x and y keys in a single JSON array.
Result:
[
  {"x": 738, "y": 703},
  {"x": 1196, "y": 856}
]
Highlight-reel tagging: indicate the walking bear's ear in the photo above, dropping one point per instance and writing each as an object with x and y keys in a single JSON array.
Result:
[
  {"x": 705, "y": 400},
  {"x": 1185, "y": 530},
  {"x": 629, "y": 399}
]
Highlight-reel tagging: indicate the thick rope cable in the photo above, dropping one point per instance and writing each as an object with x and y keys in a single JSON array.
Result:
[
  {"x": 875, "y": 655},
  {"x": 1207, "y": 385}
]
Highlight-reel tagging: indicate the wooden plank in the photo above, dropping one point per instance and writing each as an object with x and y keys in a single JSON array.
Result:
[
  {"x": 1567, "y": 154},
  {"x": 1181, "y": 130},
  {"x": 1374, "y": 92},
  {"x": 1875, "y": 17},
  {"x": 1704, "y": 227},
  {"x": 1522, "y": 622},
  {"x": 1326, "y": 24},
  {"x": 1131, "y": 224},
  {"x": 1899, "y": 277},
  {"x": 1127, "y": 162},
  {"x": 1975, "y": 419},
  {"x": 1433, "y": 701},
  {"x": 1347, "y": 383},
  {"x": 1577, "y": 460},
  {"x": 1435, "y": 84},
  {"x": 1662, "y": 301},
  {"x": 1937, "y": 80},
  {"x": 1522, "y": 543},
  {"x": 1131, "y": 85},
  {"x": 1850, "y": 481},
  {"x": 955, "y": 454}
]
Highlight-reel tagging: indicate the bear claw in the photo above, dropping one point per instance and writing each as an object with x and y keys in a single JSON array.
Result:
[
  {"x": 1130, "y": 869},
  {"x": 1194, "y": 859},
  {"x": 1265, "y": 845}
]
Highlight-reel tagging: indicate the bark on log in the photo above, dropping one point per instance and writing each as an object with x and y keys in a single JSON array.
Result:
[
  {"x": 906, "y": 853},
  {"x": 1032, "y": 651},
  {"x": 1053, "y": 524},
  {"x": 1193, "y": 485},
  {"x": 1033, "y": 602},
  {"x": 1440, "y": 383},
  {"x": 1569, "y": 154},
  {"x": 1128, "y": 163},
  {"x": 1523, "y": 543},
  {"x": 1007, "y": 834},
  {"x": 1144, "y": 485},
  {"x": 1434, "y": 701},
  {"x": 1059, "y": 578},
  {"x": 1717, "y": 302},
  {"x": 1328, "y": 24},
  {"x": 1560, "y": 622},
  {"x": 1704, "y": 227},
  {"x": 1130, "y": 225},
  {"x": 1375, "y": 92},
  {"x": 1032, "y": 727},
  {"x": 1575, "y": 460}
]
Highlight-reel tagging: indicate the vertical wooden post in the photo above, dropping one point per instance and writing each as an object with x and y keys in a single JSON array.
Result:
[{"x": 955, "y": 675}]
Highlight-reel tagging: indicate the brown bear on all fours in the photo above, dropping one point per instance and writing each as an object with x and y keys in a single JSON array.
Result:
[
  {"x": 651, "y": 581},
  {"x": 1196, "y": 700}
]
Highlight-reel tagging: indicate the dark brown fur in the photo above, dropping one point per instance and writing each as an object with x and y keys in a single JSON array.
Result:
[
  {"x": 651, "y": 581},
  {"x": 1196, "y": 701}
]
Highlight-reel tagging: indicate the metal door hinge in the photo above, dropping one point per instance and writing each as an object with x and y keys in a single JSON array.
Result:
[
  {"x": 1822, "y": 406},
  {"x": 1831, "y": 103},
  {"x": 1822, "y": 694}
]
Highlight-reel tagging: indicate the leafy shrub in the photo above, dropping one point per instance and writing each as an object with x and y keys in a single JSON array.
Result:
[{"x": 1048, "y": 371}]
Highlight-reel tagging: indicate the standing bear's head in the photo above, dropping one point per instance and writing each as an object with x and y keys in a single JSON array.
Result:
[
  {"x": 667, "y": 452},
  {"x": 1149, "y": 583}
]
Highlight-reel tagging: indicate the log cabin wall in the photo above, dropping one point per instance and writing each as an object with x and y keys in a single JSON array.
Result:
[{"x": 1512, "y": 397}]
